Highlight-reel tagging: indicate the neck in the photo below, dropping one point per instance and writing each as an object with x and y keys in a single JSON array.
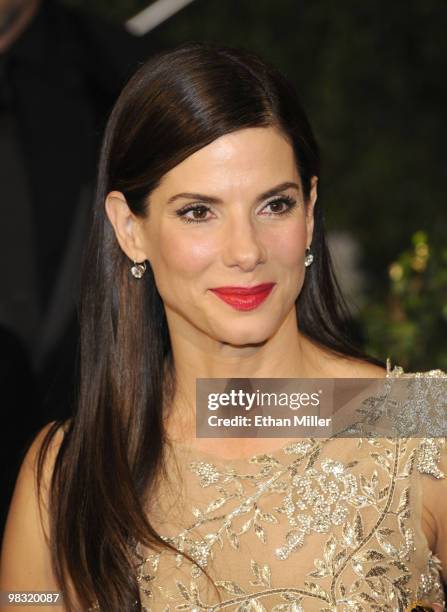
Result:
[{"x": 288, "y": 354}]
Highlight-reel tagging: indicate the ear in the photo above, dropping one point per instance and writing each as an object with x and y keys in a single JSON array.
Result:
[
  {"x": 310, "y": 210},
  {"x": 126, "y": 226}
]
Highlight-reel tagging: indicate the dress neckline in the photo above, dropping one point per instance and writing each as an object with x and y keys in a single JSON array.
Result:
[
  {"x": 197, "y": 454},
  {"x": 187, "y": 451}
]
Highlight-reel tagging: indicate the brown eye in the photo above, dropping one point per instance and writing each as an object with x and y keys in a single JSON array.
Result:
[
  {"x": 199, "y": 212},
  {"x": 277, "y": 206}
]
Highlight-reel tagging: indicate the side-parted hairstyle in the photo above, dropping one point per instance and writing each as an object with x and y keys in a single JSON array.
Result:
[{"x": 112, "y": 450}]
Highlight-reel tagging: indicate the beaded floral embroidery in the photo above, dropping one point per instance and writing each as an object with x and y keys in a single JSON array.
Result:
[{"x": 361, "y": 508}]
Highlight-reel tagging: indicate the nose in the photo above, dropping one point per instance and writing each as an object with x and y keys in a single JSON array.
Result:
[{"x": 242, "y": 242}]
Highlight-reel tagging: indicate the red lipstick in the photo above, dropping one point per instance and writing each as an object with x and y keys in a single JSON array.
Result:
[{"x": 244, "y": 298}]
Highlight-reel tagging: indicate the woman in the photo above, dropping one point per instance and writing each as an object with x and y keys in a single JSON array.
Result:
[{"x": 208, "y": 180}]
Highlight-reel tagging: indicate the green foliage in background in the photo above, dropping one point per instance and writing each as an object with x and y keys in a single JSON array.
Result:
[{"x": 410, "y": 325}]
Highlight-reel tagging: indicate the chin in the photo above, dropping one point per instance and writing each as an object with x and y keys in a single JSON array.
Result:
[{"x": 244, "y": 333}]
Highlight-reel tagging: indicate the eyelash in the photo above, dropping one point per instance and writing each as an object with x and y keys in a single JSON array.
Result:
[{"x": 291, "y": 203}]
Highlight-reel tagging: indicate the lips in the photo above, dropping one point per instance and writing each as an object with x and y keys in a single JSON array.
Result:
[{"x": 244, "y": 298}]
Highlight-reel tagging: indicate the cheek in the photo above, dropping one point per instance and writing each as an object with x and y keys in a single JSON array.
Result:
[
  {"x": 185, "y": 253},
  {"x": 287, "y": 248}
]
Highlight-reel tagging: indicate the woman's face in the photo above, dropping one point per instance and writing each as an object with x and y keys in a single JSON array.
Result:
[{"x": 230, "y": 215}]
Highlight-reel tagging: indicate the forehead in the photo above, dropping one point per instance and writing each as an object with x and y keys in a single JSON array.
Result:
[{"x": 252, "y": 158}]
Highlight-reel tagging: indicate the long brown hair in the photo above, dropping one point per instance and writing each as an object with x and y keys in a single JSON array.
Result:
[{"x": 111, "y": 454}]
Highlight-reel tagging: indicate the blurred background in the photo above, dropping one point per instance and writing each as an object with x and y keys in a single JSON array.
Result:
[{"x": 371, "y": 77}]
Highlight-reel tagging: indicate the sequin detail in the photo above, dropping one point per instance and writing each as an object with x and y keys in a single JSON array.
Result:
[{"x": 322, "y": 525}]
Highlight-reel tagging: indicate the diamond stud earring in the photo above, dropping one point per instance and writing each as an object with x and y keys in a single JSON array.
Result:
[
  {"x": 138, "y": 269},
  {"x": 309, "y": 258}
]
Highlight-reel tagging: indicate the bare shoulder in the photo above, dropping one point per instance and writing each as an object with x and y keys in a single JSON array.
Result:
[
  {"x": 357, "y": 368},
  {"x": 350, "y": 367},
  {"x": 30, "y": 460},
  {"x": 329, "y": 364},
  {"x": 25, "y": 557}
]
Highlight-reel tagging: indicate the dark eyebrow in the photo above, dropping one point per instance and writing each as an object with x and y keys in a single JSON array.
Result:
[{"x": 211, "y": 200}]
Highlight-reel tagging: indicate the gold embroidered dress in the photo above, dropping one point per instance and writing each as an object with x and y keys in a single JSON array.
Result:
[{"x": 323, "y": 524}]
